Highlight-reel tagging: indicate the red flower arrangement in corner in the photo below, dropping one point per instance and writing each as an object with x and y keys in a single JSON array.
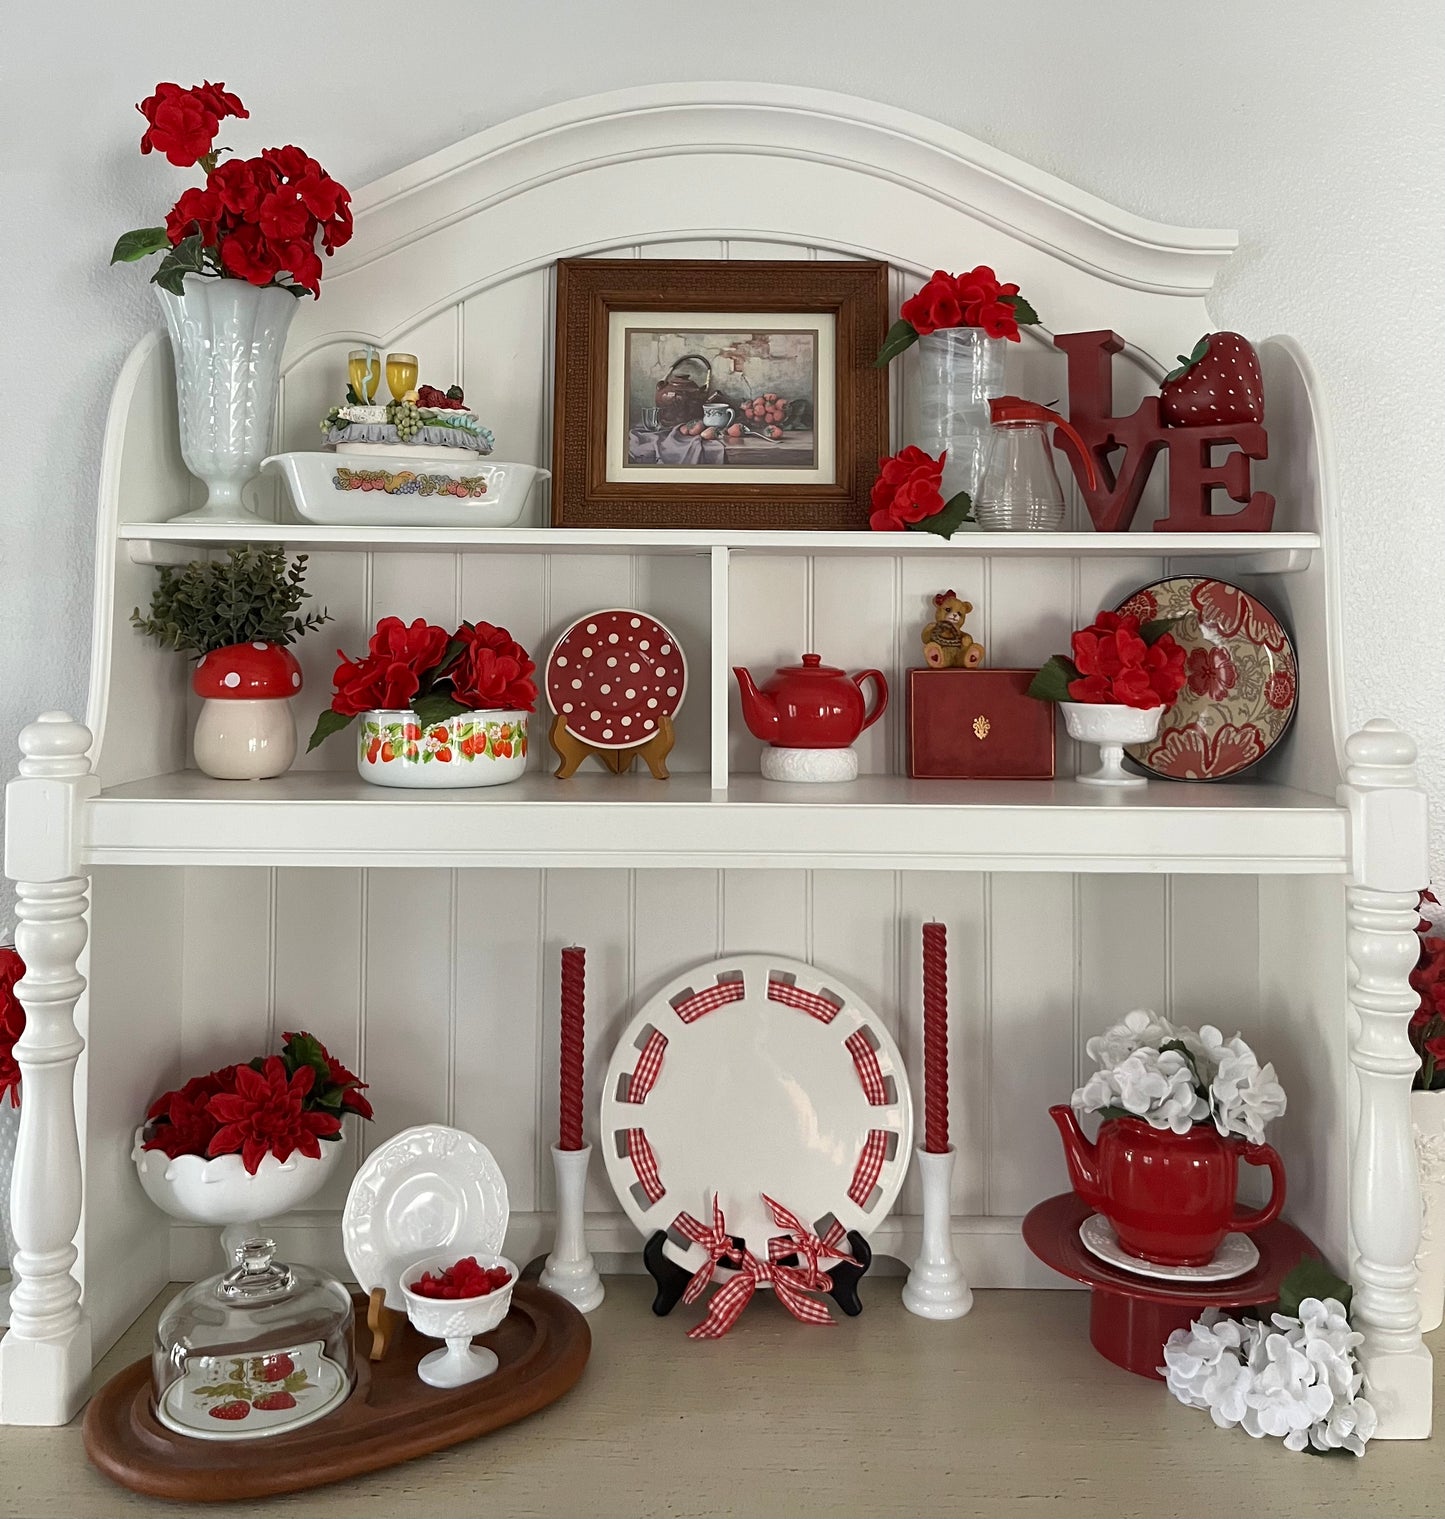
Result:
[
  {"x": 424, "y": 669},
  {"x": 12, "y": 1024},
  {"x": 907, "y": 495},
  {"x": 254, "y": 219},
  {"x": 1427, "y": 1026},
  {"x": 976, "y": 298},
  {"x": 1116, "y": 661},
  {"x": 272, "y": 1105}
]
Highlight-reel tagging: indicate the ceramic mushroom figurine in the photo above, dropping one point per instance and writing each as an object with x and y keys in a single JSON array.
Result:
[{"x": 246, "y": 731}]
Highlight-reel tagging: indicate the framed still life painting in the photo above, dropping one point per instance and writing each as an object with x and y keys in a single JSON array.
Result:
[{"x": 695, "y": 393}]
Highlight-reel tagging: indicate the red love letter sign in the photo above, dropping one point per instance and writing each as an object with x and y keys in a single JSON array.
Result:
[{"x": 1194, "y": 477}]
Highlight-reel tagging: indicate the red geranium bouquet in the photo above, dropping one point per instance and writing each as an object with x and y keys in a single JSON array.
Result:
[
  {"x": 907, "y": 495},
  {"x": 973, "y": 299},
  {"x": 254, "y": 219},
  {"x": 12, "y": 1024},
  {"x": 426, "y": 670},
  {"x": 1116, "y": 661},
  {"x": 1427, "y": 1026},
  {"x": 272, "y": 1105}
]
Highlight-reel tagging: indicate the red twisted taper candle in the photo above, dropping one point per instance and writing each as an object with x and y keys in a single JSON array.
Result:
[
  {"x": 574, "y": 982},
  {"x": 935, "y": 1038}
]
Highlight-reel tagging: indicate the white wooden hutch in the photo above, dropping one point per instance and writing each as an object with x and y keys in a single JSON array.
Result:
[{"x": 171, "y": 922}]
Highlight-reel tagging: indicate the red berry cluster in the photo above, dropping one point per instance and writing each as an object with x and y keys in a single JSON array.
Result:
[
  {"x": 465, "y": 1279},
  {"x": 441, "y": 400}
]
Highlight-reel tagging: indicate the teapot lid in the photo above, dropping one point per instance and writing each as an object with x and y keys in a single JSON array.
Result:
[{"x": 812, "y": 665}]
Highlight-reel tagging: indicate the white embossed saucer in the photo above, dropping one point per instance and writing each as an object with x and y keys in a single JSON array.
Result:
[
  {"x": 432, "y": 1190},
  {"x": 1236, "y": 1255}
]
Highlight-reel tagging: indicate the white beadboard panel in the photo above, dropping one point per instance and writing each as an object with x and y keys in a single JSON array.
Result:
[
  {"x": 765, "y": 910},
  {"x": 855, "y": 625},
  {"x": 593, "y": 908},
  {"x": 1031, "y": 1058},
  {"x": 1214, "y": 953},
  {"x": 498, "y": 1010},
  {"x": 340, "y": 586},
  {"x": 1122, "y": 928},
  {"x": 408, "y": 994},
  {"x": 227, "y": 985},
  {"x": 960, "y": 903},
  {"x": 769, "y": 624},
  {"x": 506, "y": 374},
  {"x": 321, "y": 992},
  {"x": 416, "y": 585},
  {"x": 677, "y": 921},
  {"x": 510, "y": 591},
  {"x": 676, "y": 589}
]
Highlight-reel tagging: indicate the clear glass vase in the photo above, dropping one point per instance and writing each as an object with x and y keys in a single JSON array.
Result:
[{"x": 960, "y": 369}]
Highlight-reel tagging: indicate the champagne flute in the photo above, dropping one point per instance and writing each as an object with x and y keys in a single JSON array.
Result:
[
  {"x": 363, "y": 367},
  {"x": 401, "y": 372}
]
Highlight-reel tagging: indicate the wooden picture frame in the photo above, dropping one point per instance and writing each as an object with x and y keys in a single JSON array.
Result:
[{"x": 619, "y": 464}]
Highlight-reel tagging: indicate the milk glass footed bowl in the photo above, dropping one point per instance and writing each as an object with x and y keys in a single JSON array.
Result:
[
  {"x": 1111, "y": 727},
  {"x": 456, "y": 1320}
]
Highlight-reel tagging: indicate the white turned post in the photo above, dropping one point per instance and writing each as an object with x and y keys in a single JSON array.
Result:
[
  {"x": 570, "y": 1271},
  {"x": 45, "y": 1359},
  {"x": 936, "y": 1287},
  {"x": 1388, "y": 867}
]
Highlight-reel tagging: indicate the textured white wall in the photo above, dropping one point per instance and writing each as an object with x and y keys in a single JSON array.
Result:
[{"x": 1316, "y": 127}]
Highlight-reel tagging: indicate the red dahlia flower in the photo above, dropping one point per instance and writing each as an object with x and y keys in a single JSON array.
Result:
[
  {"x": 907, "y": 490},
  {"x": 391, "y": 672},
  {"x": 266, "y": 1115},
  {"x": 12, "y": 1025},
  {"x": 493, "y": 671}
]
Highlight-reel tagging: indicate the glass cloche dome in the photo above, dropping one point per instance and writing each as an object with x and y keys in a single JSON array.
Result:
[{"x": 261, "y": 1347}]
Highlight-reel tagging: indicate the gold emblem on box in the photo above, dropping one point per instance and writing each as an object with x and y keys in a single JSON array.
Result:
[{"x": 981, "y": 725}]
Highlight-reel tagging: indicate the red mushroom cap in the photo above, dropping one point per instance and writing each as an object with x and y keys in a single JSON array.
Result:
[{"x": 247, "y": 671}]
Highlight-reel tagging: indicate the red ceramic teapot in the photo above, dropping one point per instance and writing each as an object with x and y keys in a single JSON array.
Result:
[
  {"x": 811, "y": 705},
  {"x": 1170, "y": 1197}
]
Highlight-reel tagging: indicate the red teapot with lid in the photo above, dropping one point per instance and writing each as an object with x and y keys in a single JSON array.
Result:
[{"x": 810, "y": 705}]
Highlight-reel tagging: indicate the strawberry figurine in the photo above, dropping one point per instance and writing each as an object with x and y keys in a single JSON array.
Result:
[{"x": 1219, "y": 383}]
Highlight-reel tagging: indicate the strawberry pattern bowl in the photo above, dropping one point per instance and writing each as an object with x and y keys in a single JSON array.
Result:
[{"x": 473, "y": 749}]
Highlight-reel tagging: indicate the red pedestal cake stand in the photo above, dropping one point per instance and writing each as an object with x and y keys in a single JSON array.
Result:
[{"x": 1130, "y": 1317}]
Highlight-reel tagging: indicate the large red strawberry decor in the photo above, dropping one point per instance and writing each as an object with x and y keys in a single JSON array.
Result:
[{"x": 1217, "y": 383}]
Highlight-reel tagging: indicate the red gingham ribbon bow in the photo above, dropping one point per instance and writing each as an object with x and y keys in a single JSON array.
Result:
[
  {"x": 716, "y": 1241},
  {"x": 799, "y": 1240}
]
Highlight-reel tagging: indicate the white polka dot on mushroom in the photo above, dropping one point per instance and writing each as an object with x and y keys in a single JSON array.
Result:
[
  {"x": 231, "y": 680},
  {"x": 296, "y": 679},
  {"x": 257, "y": 644}
]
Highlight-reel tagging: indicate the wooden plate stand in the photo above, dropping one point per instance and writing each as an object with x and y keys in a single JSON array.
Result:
[
  {"x": 390, "y": 1417},
  {"x": 572, "y": 750}
]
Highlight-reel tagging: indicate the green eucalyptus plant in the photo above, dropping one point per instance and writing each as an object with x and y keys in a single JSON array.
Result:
[{"x": 252, "y": 595}]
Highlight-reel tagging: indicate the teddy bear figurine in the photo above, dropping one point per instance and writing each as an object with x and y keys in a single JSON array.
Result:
[{"x": 945, "y": 645}]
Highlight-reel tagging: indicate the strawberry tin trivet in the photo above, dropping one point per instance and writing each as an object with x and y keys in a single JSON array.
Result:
[{"x": 615, "y": 679}]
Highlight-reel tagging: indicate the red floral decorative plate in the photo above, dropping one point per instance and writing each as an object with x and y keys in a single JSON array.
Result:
[
  {"x": 1241, "y": 685},
  {"x": 613, "y": 675}
]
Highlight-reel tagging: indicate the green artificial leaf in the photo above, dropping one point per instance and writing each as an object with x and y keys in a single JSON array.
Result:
[
  {"x": 956, "y": 511},
  {"x": 1311, "y": 1278},
  {"x": 187, "y": 257},
  {"x": 1187, "y": 361},
  {"x": 1052, "y": 682},
  {"x": 436, "y": 707},
  {"x": 141, "y": 243},
  {"x": 1152, "y": 632},
  {"x": 901, "y": 335},
  {"x": 455, "y": 649},
  {"x": 328, "y": 723},
  {"x": 1115, "y": 1112},
  {"x": 1024, "y": 314}
]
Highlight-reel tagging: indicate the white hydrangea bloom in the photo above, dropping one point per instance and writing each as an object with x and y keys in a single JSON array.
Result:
[
  {"x": 1153, "y": 1085},
  {"x": 1140, "y": 1029},
  {"x": 1243, "y": 1095},
  {"x": 1299, "y": 1384}
]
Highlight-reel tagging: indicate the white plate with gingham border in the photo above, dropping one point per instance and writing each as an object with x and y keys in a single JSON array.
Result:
[{"x": 755, "y": 1074}]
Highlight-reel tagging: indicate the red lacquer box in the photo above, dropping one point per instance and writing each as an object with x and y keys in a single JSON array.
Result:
[{"x": 978, "y": 725}]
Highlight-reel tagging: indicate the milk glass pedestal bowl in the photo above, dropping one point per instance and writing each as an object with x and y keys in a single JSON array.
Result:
[
  {"x": 456, "y": 1320},
  {"x": 1111, "y": 727}
]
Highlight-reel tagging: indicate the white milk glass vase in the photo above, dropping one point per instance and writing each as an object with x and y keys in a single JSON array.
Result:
[
  {"x": 1427, "y": 1110},
  {"x": 226, "y": 336},
  {"x": 960, "y": 369}
]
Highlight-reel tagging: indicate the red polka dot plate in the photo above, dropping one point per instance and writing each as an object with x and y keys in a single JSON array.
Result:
[
  {"x": 1241, "y": 686},
  {"x": 613, "y": 675}
]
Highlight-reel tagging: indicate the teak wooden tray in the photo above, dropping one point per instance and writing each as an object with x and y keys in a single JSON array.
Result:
[{"x": 390, "y": 1417}]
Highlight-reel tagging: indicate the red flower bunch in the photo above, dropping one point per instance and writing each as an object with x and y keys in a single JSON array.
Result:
[
  {"x": 493, "y": 671},
  {"x": 1427, "y": 1026},
  {"x": 462, "y": 1280},
  {"x": 976, "y": 298},
  {"x": 254, "y": 219},
  {"x": 907, "y": 494},
  {"x": 437, "y": 675},
  {"x": 182, "y": 123},
  {"x": 12, "y": 1024},
  {"x": 1117, "y": 661},
  {"x": 273, "y": 1105}
]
